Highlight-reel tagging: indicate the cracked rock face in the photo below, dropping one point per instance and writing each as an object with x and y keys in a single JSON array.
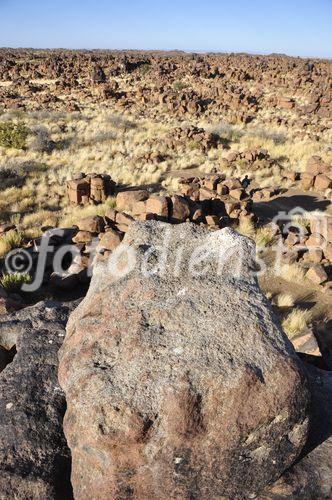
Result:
[
  {"x": 34, "y": 457},
  {"x": 178, "y": 378}
]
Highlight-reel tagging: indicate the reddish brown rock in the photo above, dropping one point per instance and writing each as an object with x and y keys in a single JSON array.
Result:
[
  {"x": 157, "y": 388},
  {"x": 78, "y": 191},
  {"x": 315, "y": 165},
  {"x": 180, "y": 210},
  {"x": 83, "y": 237},
  {"x": 317, "y": 274},
  {"x": 322, "y": 182},
  {"x": 158, "y": 205},
  {"x": 125, "y": 200},
  {"x": 139, "y": 208},
  {"x": 307, "y": 180},
  {"x": 238, "y": 194},
  {"x": 315, "y": 240},
  {"x": 328, "y": 252},
  {"x": 124, "y": 219},
  {"x": 110, "y": 240},
  {"x": 232, "y": 183},
  {"x": 315, "y": 255},
  {"x": 94, "y": 224}
]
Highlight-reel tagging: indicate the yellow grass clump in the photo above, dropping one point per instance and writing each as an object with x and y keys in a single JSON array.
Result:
[
  {"x": 292, "y": 273},
  {"x": 296, "y": 321},
  {"x": 246, "y": 227},
  {"x": 264, "y": 237},
  {"x": 284, "y": 300},
  {"x": 10, "y": 240}
]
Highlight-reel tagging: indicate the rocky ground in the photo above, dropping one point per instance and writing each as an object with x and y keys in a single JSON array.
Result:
[{"x": 181, "y": 386}]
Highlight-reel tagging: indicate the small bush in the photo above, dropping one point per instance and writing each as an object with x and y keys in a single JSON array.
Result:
[
  {"x": 178, "y": 86},
  {"x": 41, "y": 141},
  {"x": 12, "y": 282},
  {"x": 144, "y": 69},
  {"x": 13, "y": 135}
]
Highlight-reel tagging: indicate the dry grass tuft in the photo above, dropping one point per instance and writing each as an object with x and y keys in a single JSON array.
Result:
[
  {"x": 292, "y": 273},
  {"x": 247, "y": 228},
  {"x": 296, "y": 321},
  {"x": 264, "y": 237},
  {"x": 284, "y": 300},
  {"x": 10, "y": 240}
]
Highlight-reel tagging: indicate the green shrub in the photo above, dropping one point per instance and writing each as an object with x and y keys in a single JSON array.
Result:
[
  {"x": 144, "y": 68},
  {"x": 12, "y": 282},
  {"x": 179, "y": 86},
  {"x": 13, "y": 135}
]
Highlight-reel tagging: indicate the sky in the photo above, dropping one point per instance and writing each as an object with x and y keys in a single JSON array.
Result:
[{"x": 293, "y": 27}]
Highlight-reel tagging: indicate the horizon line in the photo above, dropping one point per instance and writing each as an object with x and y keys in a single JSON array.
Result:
[{"x": 184, "y": 51}]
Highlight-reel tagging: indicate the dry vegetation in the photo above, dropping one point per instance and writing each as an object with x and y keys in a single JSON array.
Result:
[
  {"x": 43, "y": 145},
  {"x": 101, "y": 141}
]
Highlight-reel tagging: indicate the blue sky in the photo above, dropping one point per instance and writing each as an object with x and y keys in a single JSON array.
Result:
[{"x": 295, "y": 27}]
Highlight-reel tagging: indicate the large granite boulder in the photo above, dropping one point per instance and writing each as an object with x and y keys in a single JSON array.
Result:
[
  {"x": 179, "y": 380},
  {"x": 34, "y": 457}
]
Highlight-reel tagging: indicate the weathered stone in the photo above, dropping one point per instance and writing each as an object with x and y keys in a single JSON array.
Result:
[
  {"x": 83, "y": 237},
  {"x": 180, "y": 210},
  {"x": 206, "y": 194},
  {"x": 124, "y": 219},
  {"x": 158, "y": 205},
  {"x": 315, "y": 165},
  {"x": 317, "y": 274},
  {"x": 315, "y": 240},
  {"x": 77, "y": 189},
  {"x": 232, "y": 183},
  {"x": 111, "y": 214},
  {"x": 110, "y": 240},
  {"x": 311, "y": 477},
  {"x": 198, "y": 215},
  {"x": 290, "y": 174},
  {"x": 306, "y": 343},
  {"x": 328, "y": 252},
  {"x": 222, "y": 189},
  {"x": 139, "y": 208},
  {"x": 94, "y": 224},
  {"x": 289, "y": 257},
  {"x": 315, "y": 255},
  {"x": 34, "y": 458},
  {"x": 322, "y": 182},
  {"x": 125, "y": 200},
  {"x": 182, "y": 375},
  {"x": 307, "y": 180},
  {"x": 98, "y": 189},
  {"x": 238, "y": 194},
  {"x": 212, "y": 220}
]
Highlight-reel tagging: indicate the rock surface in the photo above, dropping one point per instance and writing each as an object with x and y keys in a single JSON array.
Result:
[
  {"x": 311, "y": 477},
  {"x": 34, "y": 457},
  {"x": 179, "y": 383}
]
